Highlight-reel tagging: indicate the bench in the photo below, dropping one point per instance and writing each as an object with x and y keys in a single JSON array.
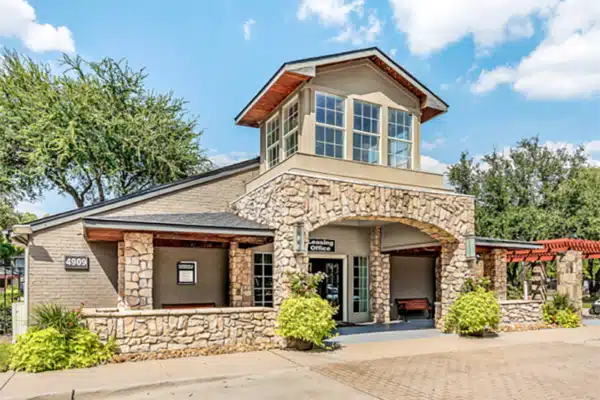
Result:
[
  {"x": 405, "y": 305},
  {"x": 187, "y": 305}
]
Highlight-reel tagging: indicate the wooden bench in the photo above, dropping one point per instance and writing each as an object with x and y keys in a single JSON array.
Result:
[
  {"x": 187, "y": 305},
  {"x": 405, "y": 305}
]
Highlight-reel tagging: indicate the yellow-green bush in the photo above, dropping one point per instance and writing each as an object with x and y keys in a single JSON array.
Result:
[
  {"x": 306, "y": 318},
  {"x": 567, "y": 319},
  {"x": 473, "y": 313}
]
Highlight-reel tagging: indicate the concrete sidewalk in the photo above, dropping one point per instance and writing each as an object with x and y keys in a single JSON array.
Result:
[{"x": 128, "y": 378}]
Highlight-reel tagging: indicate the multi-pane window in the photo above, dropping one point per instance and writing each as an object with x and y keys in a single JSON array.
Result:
[
  {"x": 330, "y": 112},
  {"x": 365, "y": 139},
  {"x": 360, "y": 295},
  {"x": 263, "y": 279},
  {"x": 399, "y": 139},
  {"x": 290, "y": 129},
  {"x": 273, "y": 141}
]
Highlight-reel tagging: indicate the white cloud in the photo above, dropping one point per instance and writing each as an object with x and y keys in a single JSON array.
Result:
[
  {"x": 591, "y": 149},
  {"x": 430, "y": 164},
  {"x": 248, "y": 28},
  {"x": 224, "y": 159},
  {"x": 437, "y": 142},
  {"x": 18, "y": 19},
  {"x": 329, "y": 12},
  {"x": 363, "y": 34},
  {"x": 393, "y": 52},
  {"x": 567, "y": 62},
  {"x": 432, "y": 25},
  {"x": 348, "y": 16},
  {"x": 444, "y": 86}
]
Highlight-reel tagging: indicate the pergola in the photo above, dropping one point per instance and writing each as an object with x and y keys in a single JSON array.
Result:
[{"x": 568, "y": 254}]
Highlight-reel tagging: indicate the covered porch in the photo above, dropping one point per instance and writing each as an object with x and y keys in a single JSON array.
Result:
[{"x": 182, "y": 261}]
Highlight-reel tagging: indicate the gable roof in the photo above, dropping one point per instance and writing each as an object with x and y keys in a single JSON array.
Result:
[
  {"x": 294, "y": 73},
  {"x": 145, "y": 194}
]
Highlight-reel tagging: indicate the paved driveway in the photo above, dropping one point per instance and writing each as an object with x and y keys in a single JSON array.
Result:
[{"x": 533, "y": 371}]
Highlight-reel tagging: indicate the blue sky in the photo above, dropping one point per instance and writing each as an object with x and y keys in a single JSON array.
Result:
[{"x": 509, "y": 69}]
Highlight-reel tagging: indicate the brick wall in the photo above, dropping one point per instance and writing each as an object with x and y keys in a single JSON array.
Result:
[{"x": 50, "y": 283}]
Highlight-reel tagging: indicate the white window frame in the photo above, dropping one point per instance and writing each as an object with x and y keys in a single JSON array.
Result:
[
  {"x": 361, "y": 132},
  {"x": 295, "y": 130},
  {"x": 366, "y": 300},
  {"x": 262, "y": 254},
  {"x": 323, "y": 124},
  {"x": 275, "y": 117},
  {"x": 409, "y": 142}
]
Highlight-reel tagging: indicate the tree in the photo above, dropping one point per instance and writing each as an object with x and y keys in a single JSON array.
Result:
[
  {"x": 92, "y": 131},
  {"x": 9, "y": 217},
  {"x": 529, "y": 193}
]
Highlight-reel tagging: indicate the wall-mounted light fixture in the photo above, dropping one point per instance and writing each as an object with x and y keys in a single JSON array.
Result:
[
  {"x": 299, "y": 243},
  {"x": 470, "y": 248}
]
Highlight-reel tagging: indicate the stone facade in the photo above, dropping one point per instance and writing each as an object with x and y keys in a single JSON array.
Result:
[
  {"x": 154, "y": 330},
  {"x": 121, "y": 275},
  {"x": 379, "y": 279},
  {"x": 494, "y": 267},
  {"x": 139, "y": 254},
  {"x": 240, "y": 276},
  {"x": 292, "y": 199},
  {"x": 521, "y": 312},
  {"x": 569, "y": 273}
]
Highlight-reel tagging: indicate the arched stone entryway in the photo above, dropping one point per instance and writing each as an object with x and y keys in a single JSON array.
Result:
[{"x": 292, "y": 199}]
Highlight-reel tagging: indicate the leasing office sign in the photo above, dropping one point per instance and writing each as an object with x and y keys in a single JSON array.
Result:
[{"x": 321, "y": 245}]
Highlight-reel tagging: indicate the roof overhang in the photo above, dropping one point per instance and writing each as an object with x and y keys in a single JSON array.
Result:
[{"x": 292, "y": 75}]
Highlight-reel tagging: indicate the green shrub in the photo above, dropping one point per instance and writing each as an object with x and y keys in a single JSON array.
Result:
[
  {"x": 5, "y": 353},
  {"x": 473, "y": 313},
  {"x": 305, "y": 284},
  {"x": 86, "y": 350},
  {"x": 306, "y": 318},
  {"x": 562, "y": 302},
  {"x": 514, "y": 293},
  {"x": 40, "y": 350},
  {"x": 549, "y": 313},
  {"x": 472, "y": 284},
  {"x": 48, "y": 349},
  {"x": 567, "y": 319},
  {"x": 66, "y": 321}
]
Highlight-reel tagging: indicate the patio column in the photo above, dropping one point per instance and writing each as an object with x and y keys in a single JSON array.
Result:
[
  {"x": 569, "y": 276},
  {"x": 454, "y": 270},
  {"x": 494, "y": 267},
  {"x": 538, "y": 281},
  {"x": 138, "y": 249},
  {"x": 379, "y": 282},
  {"x": 240, "y": 276}
]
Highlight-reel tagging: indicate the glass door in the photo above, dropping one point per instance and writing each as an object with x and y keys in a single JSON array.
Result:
[{"x": 331, "y": 288}]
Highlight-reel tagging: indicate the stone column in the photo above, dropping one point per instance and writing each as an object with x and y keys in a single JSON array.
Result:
[
  {"x": 538, "y": 281},
  {"x": 569, "y": 276},
  {"x": 240, "y": 276},
  {"x": 138, "y": 269},
  {"x": 121, "y": 276},
  {"x": 379, "y": 282},
  {"x": 454, "y": 271},
  {"x": 286, "y": 261},
  {"x": 438, "y": 288},
  {"x": 494, "y": 267}
]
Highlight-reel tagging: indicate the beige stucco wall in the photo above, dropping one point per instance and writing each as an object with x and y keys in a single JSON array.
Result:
[
  {"x": 361, "y": 80},
  {"x": 211, "y": 286},
  {"x": 411, "y": 277},
  {"x": 397, "y": 236},
  {"x": 48, "y": 280}
]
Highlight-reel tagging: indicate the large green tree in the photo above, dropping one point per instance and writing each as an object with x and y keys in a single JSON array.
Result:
[
  {"x": 92, "y": 131},
  {"x": 531, "y": 192}
]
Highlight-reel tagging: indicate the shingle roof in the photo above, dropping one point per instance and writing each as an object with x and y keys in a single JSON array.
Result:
[{"x": 205, "y": 220}]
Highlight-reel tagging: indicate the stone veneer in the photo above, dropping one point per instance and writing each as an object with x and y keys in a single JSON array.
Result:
[
  {"x": 379, "y": 279},
  {"x": 138, "y": 272},
  {"x": 155, "y": 330},
  {"x": 521, "y": 312},
  {"x": 240, "y": 276},
  {"x": 494, "y": 267},
  {"x": 569, "y": 274},
  {"x": 292, "y": 198}
]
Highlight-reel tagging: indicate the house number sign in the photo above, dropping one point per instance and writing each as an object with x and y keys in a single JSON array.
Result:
[{"x": 77, "y": 263}]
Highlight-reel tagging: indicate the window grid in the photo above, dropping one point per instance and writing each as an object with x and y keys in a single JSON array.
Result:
[
  {"x": 273, "y": 142},
  {"x": 263, "y": 279},
  {"x": 365, "y": 138},
  {"x": 399, "y": 139},
  {"x": 330, "y": 115},
  {"x": 290, "y": 129},
  {"x": 361, "y": 285}
]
